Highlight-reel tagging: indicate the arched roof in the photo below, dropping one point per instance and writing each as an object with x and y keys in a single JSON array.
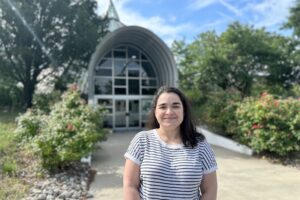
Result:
[{"x": 154, "y": 48}]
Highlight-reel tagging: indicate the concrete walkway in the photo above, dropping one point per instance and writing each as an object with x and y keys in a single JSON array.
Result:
[{"x": 240, "y": 177}]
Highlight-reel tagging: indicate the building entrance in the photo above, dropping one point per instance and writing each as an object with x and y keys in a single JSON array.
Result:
[{"x": 127, "y": 113}]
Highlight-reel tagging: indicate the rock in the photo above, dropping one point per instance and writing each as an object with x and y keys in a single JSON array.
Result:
[{"x": 69, "y": 184}]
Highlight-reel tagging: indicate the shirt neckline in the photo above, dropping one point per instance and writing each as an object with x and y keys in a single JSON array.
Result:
[{"x": 171, "y": 146}]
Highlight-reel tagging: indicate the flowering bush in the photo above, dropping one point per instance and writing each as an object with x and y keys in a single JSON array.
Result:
[
  {"x": 70, "y": 131},
  {"x": 29, "y": 125},
  {"x": 269, "y": 124}
]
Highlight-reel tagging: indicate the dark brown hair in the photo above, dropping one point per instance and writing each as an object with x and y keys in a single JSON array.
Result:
[{"x": 189, "y": 135}]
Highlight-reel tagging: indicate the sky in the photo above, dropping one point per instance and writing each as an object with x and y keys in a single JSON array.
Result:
[{"x": 185, "y": 19}]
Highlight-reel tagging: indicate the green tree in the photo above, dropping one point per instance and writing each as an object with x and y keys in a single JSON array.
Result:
[
  {"x": 236, "y": 59},
  {"x": 38, "y": 34},
  {"x": 293, "y": 23}
]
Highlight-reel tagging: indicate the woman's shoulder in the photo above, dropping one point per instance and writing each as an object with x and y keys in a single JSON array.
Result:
[
  {"x": 145, "y": 134},
  {"x": 202, "y": 144}
]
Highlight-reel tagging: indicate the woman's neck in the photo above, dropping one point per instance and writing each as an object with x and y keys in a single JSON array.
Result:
[{"x": 170, "y": 136}]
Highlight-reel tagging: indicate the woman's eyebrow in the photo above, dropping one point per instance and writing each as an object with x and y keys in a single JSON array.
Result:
[
  {"x": 176, "y": 103},
  {"x": 162, "y": 104}
]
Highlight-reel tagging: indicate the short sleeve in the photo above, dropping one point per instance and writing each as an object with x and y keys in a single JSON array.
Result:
[
  {"x": 134, "y": 151},
  {"x": 209, "y": 162}
]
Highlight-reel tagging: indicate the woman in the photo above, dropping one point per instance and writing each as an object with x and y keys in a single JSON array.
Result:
[{"x": 171, "y": 160}]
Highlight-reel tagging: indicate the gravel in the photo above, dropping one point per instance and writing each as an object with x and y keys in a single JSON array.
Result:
[{"x": 68, "y": 184}]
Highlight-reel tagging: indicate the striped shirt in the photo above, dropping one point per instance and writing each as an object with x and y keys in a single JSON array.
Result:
[{"x": 167, "y": 171}]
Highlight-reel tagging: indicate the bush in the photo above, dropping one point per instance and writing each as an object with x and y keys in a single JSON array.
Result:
[
  {"x": 29, "y": 125},
  {"x": 218, "y": 111},
  {"x": 10, "y": 96},
  {"x": 44, "y": 102},
  {"x": 70, "y": 131},
  {"x": 269, "y": 124}
]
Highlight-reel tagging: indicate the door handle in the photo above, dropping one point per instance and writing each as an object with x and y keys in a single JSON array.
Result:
[{"x": 127, "y": 114}]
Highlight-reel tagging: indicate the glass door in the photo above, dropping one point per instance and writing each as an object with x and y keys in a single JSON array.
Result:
[
  {"x": 127, "y": 113},
  {"x": 120, "y": 113},
  {"x": 133, "y": 113}
]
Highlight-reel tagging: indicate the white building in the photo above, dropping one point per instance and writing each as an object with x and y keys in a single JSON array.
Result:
[{"x": 125, "y": 71}]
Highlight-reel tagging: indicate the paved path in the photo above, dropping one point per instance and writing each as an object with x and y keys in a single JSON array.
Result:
[{"x": 240, "y": 177}]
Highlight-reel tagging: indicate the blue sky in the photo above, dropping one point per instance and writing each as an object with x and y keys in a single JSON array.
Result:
[{"x": 185, "y": 19}]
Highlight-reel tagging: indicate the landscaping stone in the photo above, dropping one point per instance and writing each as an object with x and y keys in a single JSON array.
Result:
[{"x": 69, "y": 184}]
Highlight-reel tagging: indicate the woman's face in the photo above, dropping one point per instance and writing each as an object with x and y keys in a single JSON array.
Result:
[{"x": 169, "y": 111}]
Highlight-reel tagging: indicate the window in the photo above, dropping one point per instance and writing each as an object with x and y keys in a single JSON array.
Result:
[{"x": 125, "y": 71}]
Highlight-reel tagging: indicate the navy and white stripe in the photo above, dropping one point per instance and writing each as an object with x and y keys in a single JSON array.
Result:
[{"x": 169, "y": 171}]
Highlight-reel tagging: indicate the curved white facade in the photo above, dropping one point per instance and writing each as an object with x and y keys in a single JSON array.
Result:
[{"x": 127, "y": 67}]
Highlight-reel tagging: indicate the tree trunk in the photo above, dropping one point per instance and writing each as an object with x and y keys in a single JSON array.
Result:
[{"x": 28, "y": 91}]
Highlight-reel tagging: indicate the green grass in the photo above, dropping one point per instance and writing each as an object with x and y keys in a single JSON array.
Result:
[
  {"x": 7, "y": 126},
  {"x": 10, "y": 186}
]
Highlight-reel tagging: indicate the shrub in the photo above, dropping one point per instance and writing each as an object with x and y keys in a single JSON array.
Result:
[
  {"x": 44, "y": 102},
  {"x": 29, "y": 125},
  {"x": 9, "y": 165},
  {"x": 269, "y": 124},
  {"x": 218, "y": 111},
  {"x": 72, "y": 131}
]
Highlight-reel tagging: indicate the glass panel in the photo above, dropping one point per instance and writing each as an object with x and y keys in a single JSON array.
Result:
[
  {"x": 119, "y": 54},
  {"x": 103, "y": 72},
  {"x": 105, "y": 102},
  {"x": 144, "y": 57},
  {"x": 134, "y": 118},
  {"x": 134, "y": 86},
  {"x": 122, "y": 48},
  {"x": 120, "y": 113},
  {"x": 120, "y": 67},
  {"x": 148, "y": 91},
  {"x": 146, "y": 105},
  {"x": 147, "y": 82},
  {"x": 147, "y": 70},
  {"x": 108, "y": 55},
  {"x": 120, "y": 90},
  {"x": 105, "y": 63},
  {"x": 133, "y": 65},
  {"x": 133, "y": 53},
  {"x": 103, "y": 86},
  {"x": 133, "y": 73},
  {"x": 121, "y": 82},
  {"x": 107, "y": 121}
]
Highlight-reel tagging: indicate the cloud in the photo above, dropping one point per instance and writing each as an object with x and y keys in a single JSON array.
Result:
[
  {"x": 200, "y": 4},
  {"x": 229, "y": 18},
  {"x": 230, "y": 7},
  {"x": 167, "y": 30},
  {"x": 269, "y": 13}
]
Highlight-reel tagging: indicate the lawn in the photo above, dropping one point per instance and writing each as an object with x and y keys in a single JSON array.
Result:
[{"x": 10, "y": 185}]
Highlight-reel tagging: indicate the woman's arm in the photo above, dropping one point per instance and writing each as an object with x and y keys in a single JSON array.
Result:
[
  {"x": 131, "y": 180},
  {"x": 209, "y": 186}
]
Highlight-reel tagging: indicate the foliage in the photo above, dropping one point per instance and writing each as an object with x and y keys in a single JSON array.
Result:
[
  {"x": 293, "y": 19},
  {"x": 45, "y": 101},
  {"x": 10, "y": 186},
  {"x": 269, "y": 124},
  {"x": 236, "y": 59},
  {"x": 47, "y": 38},
  {"x": 9, "y": 165},
  {"x": 217, "y": 111},
  {"x": 29, "y": 125},
  {"x": 9, "y": 94},
  {"x": 70, "y": 131}
]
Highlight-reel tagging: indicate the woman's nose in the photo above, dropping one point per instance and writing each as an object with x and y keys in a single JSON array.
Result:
[{"x": 169, "y": 110}]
